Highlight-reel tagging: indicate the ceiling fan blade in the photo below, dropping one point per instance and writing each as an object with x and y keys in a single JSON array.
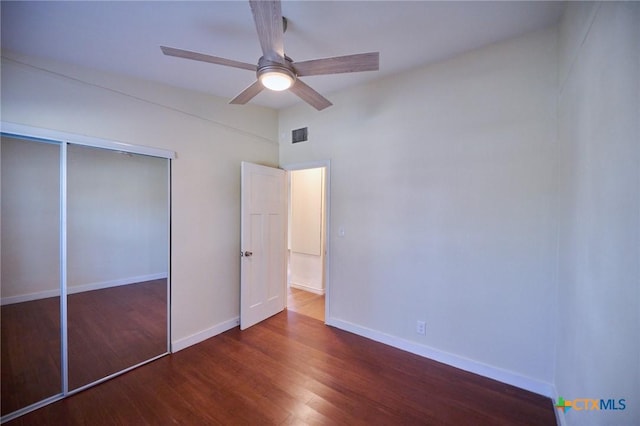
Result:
[
  {"x": 339, "y": 64},
  {"x": 309, "y": 95},
  {"x": 247, "y": 94},
  {"x": 268, "y": 18},
  {"x": 187, "y": 54}
]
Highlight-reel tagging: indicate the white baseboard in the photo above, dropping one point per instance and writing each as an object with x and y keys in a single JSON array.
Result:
[
  {"x": 81, "y": 288},
  {"x": 29, "y": 297},
  {"x": 504, "y": 376},
  {"x": 115, "y": 283},
  {"x": 310, "y": 289},
  {"x": 200, "y": 336}
]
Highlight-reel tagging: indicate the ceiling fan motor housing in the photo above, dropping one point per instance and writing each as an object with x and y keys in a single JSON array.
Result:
[
  {"x": 266, "y": 65},
  {"x": 269, "y": 69}
]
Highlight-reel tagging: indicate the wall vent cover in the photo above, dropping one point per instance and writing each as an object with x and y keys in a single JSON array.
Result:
[{"x": 299, "y": 135}]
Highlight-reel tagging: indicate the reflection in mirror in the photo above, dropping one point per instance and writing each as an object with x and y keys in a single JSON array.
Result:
[
  {"x": 117, "y": 257},
  {"x": 30, "y": 278}
]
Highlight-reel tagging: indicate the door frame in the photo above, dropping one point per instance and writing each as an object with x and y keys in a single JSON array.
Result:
[{"x": 327, "y": 207}]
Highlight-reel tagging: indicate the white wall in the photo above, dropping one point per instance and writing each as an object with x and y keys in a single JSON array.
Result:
[
  {"x": 444, "y": 181},
  {"x": 117, "y": 219},
  {"x": 30, "y": 220},
  {"x": 306, "y": 230},
  {"x": 210, "y": 137},
  {"x": 598, "y": 345}
]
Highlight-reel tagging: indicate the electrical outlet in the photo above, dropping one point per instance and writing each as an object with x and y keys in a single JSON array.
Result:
[{"x": 421, "y": 327}]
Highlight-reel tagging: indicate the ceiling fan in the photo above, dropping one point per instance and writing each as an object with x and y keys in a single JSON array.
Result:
[{"x": 275, "y": 70}]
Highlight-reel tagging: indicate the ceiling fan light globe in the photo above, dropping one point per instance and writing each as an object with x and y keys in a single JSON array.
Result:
[{"x": 275, "y": 80}]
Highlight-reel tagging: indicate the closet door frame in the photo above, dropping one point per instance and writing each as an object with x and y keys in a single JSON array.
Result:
[{"x": 64, "y": 139}]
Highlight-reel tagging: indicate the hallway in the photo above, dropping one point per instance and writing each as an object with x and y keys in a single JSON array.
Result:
[{"x": 306, "y": 303}]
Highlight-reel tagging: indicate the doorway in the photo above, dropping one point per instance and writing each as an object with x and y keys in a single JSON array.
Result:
[{"x": 307, "y": 239}]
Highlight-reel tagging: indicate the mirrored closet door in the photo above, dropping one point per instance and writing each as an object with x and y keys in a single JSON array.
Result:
[
  {"x": 117, "y": 240},
  {"x": 30, "y": 278},
  {"x": 85, "y": 265}
]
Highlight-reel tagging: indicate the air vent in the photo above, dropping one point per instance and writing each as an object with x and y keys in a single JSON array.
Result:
[{"x": 299, "y": 135}]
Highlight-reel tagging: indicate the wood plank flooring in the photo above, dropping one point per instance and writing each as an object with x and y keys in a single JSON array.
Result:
[
  {"x": 108, "y": 330},
  {"x": 292, "y": 369},
  {"x": 306, "y": 303},
  {"x": 115, "y": 328},
  {"x": 30, "y": 352}
]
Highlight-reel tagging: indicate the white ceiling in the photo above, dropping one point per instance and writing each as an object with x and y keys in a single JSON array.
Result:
[{"x": 124, "y": 36}]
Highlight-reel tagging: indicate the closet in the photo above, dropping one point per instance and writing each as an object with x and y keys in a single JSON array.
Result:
[{"x": 84, "y": 283}]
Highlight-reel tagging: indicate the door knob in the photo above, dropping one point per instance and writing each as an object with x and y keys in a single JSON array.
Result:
[{"x": 248, "y": 253}]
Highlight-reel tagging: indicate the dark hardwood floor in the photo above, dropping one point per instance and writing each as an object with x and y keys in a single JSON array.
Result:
[
  {"x": 30, "y": 360},
  {"x": 108, "y": 330},
  {"x": 115, "y": 328},
  {"x": 292, "y": 369}
]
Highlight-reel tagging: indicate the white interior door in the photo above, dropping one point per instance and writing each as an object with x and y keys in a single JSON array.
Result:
[{"x": 263, "y": 232}]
